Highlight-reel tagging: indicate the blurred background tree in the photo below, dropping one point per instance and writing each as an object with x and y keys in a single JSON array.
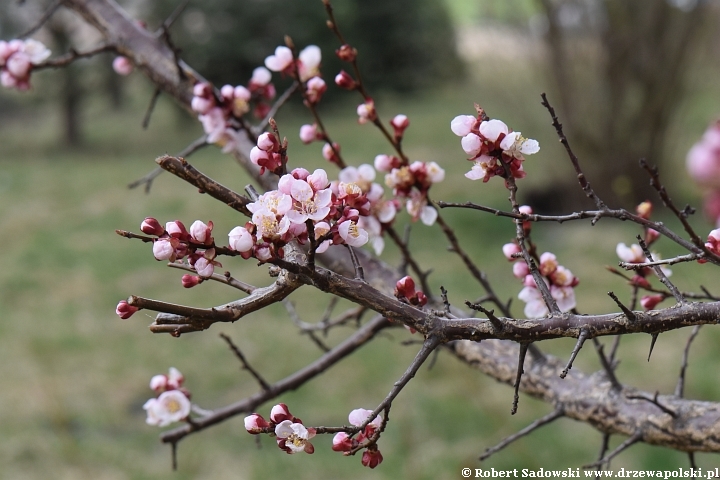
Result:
[{"x": 406, "y": 44}]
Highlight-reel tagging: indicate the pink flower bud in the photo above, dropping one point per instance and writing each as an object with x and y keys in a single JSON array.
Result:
[
  {"x": 329, "y": 154},
  {"x": 163, "y": 249},
  {"x": 342, "y": 442},
  {"x": 268, "y": 142},
  {"x": 405, "y": 287},
  {"x": 176, "y": 229},
  {"x": 241, "y": 93},
  {"x": 240, "y": 239},
  {"x": 151, "y": 226},
  {"x": 420, "y": 299},
  {"x": 462, "y": 125},
  {"x": 261, "y": 77},
  {"x": 399, "y": 124},
  {"x": 651, "y": 235},
  {"x": 124, "y": 310},
  {"x": 159, "y": 383},
  {"x": 204, "y": 267},
  {"x": 649, "y": 302},
  {"x": 510, "y": 249},
  {"x": 122, "y": 66},
  {"x": 189, "y": 281},
  {"x": 520, "y": 269},
  {"x": 308, "y": 133},
  {"x": 346, "y": 53},
  {"x": 366, "y": 111},
  {"x": 640, "y": 281},
  {"x": 279, "y": 413},
  {"x": 18, "y": 65},
  {"x": 315, "y": 88},
  {"x": 255, "y": 423},
  {"x": 201, "y": 233},
  {"x": 384, "y": 163},
  {"x": 372, "y": 458},
  {"x": 344, "y": 80}
]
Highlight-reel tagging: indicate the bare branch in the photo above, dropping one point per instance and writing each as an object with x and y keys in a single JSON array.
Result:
[
  {"x": 245, "y": 365},
  {"x": 584, "y": 334},
  {"x": 540, "y": 422},
  {"x": 363, "y": 335},
  {"x": 680, "y": 387}
]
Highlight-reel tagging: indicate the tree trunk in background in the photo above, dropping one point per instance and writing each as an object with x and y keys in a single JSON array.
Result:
[
  {"x": 71, "y": 91},
  {"x": 619, "y": 68}
]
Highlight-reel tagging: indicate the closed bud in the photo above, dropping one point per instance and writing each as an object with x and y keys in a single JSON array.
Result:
[
  {"x": 189, "y": 281},
  {"x": 344, "y": 80},
  {"x": 151, "y": 226},
  {"x": 346, "y": 53}
]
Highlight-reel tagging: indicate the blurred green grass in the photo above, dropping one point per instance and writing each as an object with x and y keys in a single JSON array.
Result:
[{"x": 74, "y": 377}]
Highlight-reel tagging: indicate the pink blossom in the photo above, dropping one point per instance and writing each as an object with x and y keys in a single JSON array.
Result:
[
  {"x": 294, "y": 437},
  {"x": 159, "y": 383},
  {"x": 175, "y": 378},
  {"x": 123, "y": 66},
  {"x": 492, "y": 130},
  {"x": 255, "y": 423},
  {"x": 564, "y": 297},
  {"x": 399, "y": 123},
  {"x": 631, "y": 254},
  {"x": 385, "y": 163},
  {"x": 124, "y": 310},
  {"x": 281, "y": 412},
  {"x": 268, "y": 226},
  {"x": 240, "y": 239},
  {"x": 308, "y": 133},
  {"x": 268, "y": 142},
  {"x": 308, "y": 204},
  {"x": 204, "y": 267},
  {"x": 366, "y": 111},
  {"x": 315, "y": 88},
  {"x": 261, "y": 77},
  {"x": 548, "y": 263},
  {"x": 521, "y": 269},
  {"x": 309, "y": 63},
  {"x": 328, "y": 152},
  {"x": 462, "y": 125},
  {"x": 358, "y": 416},
  {"x": 281, "y": 60},
  {"x": 163, "y": 249},
  {"x": 515, "y": 145},
  {"x": 275, "y": 201},
  {"x": 201, "y": 232},
  {"x": 361, "y": 176},
  {"x": 171, "y": 406},
  {"x": 471, "y": 144},
  {"x": 534, "y": 304},
  {"x": 352, "y": 234}
]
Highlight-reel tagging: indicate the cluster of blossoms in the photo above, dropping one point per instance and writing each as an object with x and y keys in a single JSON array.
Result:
[
  {"x": 292, "y": 436},
  {"x": 376, "y": 213},
  {"x": 280, "y": 216},
  {"x": 560, "y": 280},
  {"x": 412, "y": 182},
  {"x": 634, "y": 254},
  {"x": 173, "y": 402},
  {"x": 17, "y": 58},
  {"x": 492, "y": 147},
  {"x": 343, "y": 443},
  {"x": 703, "y": 164}
]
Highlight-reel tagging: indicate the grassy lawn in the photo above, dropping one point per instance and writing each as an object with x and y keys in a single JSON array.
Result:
[{"x": 74, "y": 377}]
